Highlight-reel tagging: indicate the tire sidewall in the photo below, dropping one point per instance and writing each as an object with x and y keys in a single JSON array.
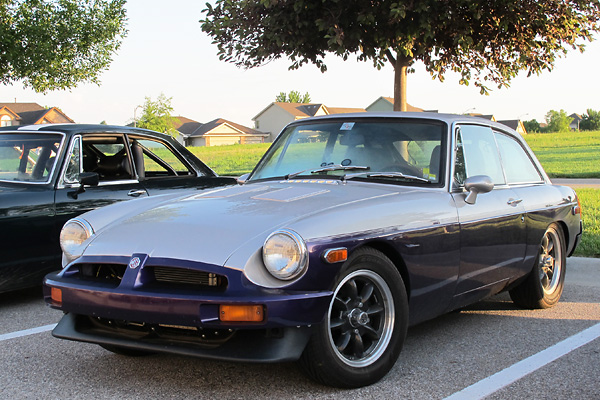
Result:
[{"x": 330, "y": 363}]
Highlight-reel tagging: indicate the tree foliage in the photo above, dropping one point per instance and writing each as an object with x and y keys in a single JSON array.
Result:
[
  {"x": 558, "y": 121},
  {"x": 590, "y": 121},
  {"x": 157, "y": 115},
  {"x": 57, "y": 44},
  {"x": 486, "y": 41},
  {"x": 293, "y": 97},
  {"x": 532, "y": 126}
]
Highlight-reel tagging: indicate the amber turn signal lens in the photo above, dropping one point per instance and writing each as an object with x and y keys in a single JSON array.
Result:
[
  {"x": 56, "y": 295},
  {"x": 244, "y": 313},
  {"x": 336, "y": 255}
]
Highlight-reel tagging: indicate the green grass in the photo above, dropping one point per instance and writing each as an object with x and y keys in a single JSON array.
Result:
[
  {"x": 231, "y": 160},
  {"x": 567, "y": 155},
  {"x": 590, "y": 205}
]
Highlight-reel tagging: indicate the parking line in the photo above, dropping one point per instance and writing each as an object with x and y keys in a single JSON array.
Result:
[
  {"x": 499, "y": 380},
  {"x": 26, "y": 332}
]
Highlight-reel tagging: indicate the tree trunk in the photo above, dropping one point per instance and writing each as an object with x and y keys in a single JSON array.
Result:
[{"x": 400, "y": 78}]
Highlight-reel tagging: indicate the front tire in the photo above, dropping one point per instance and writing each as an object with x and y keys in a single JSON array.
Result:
[
  {"x": 365, "y": 327},
  {"x": 544, "y": 285}
]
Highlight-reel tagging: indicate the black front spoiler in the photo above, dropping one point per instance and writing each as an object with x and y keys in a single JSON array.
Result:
[{"x": 246, "y": 345}]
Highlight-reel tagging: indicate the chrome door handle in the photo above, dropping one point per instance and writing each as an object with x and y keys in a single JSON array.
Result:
[
  {"x": 136, "y": 192},
  {"x": 513, "y": 202}
]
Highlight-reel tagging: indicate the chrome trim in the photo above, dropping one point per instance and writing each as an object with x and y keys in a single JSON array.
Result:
[{"x": 302, "y": 263}]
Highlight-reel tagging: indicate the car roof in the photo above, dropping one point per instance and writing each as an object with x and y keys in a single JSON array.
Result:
[
  {"x": 71, "y": 129},
  {"x": 448, "y": 118}
]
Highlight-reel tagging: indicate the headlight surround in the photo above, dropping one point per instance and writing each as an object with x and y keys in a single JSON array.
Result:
[
  {"x": 285, "y": 254},
  {"x": 73, "y": 234}
]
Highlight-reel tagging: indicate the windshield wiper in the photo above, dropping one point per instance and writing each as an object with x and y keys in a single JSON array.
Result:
[
  {"x": 333, "y": 167},
  {"x": 384, "y": 175}
]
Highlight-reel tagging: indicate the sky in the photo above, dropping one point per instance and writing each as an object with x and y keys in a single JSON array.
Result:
[{"x": 167, "y": 52}]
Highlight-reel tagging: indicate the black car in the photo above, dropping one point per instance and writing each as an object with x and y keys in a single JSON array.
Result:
[{"x": 51, "y": 173}]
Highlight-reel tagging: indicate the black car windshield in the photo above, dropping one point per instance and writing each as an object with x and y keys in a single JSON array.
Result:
[
  {"x": 28, "y": 157},
  {"x": 400, "y": 150}
]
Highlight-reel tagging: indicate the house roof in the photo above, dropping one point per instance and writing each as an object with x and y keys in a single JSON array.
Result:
[
  {"x": 512, "y": 123},
  {"x": 186, "y": 126},
  {"x": 344, "y": 110},
  {"x": 32, "y": 113},
  {"x": 205, "y": 129},
  {"x": 303, "y": 110},
  {"x": 391, "y": 101}
]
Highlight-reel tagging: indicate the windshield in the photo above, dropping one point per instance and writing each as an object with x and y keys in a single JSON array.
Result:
[
  {"x": 402, "y": 150},
  {"x": 28, "y": 157}
]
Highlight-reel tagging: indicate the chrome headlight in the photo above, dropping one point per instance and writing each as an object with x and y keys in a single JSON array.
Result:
[
  {"x": 73, "y": 234},
  {"x": 285, "y": 254}
]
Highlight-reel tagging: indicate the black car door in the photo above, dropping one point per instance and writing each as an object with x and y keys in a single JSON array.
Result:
[{"x": 109, "y": 157}]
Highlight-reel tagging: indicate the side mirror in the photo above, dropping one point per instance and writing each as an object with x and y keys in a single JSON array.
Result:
[
  {"x": 85, "y": 179},
  {"x": 89, "y": 179},
  {"x": 242, "y": 179},
  {"x": 477, "y": 184}
]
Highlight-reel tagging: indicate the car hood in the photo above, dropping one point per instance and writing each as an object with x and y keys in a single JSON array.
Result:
[{"x": 210, "y": 226}]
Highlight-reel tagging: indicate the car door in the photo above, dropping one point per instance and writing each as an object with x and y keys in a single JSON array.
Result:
[
  {"x": 109, "y": 157},
  {"x": 493, "y": 229},
  {"x": 538, "y": 198}
]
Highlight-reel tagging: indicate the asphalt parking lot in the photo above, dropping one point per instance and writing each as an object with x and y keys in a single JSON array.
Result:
[{"x": 490, "y": 349}]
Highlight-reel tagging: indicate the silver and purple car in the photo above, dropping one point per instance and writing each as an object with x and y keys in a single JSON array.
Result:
[{"x": 351, "y": 228}]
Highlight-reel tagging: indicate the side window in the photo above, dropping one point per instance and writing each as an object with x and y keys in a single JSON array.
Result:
[
  {"x": 74, "y": 163},
  {"x": 154, "y": 159},
  {"x": 106, "y": 155},
  {"x": 518, "y": 167},
  {"x": 479, "y": 154}
]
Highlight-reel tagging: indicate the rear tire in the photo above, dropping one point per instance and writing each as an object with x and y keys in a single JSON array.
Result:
[
  {"x": 544, "y": 285},
  {"x": 365, "y": 327}
]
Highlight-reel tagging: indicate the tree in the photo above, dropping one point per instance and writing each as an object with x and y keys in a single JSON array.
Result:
[
  {"x": 156, "y": 115},
  {"x": 57, "y": 44},
  {"x": 293, "y": 97},
  {"x": 485, "y": 41},
  {"x": 558, "y": 121},
  {"x": 590, "y": 121},
  {"x": 532, "y": 126}
]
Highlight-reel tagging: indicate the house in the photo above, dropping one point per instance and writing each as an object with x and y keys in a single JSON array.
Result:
[
  {"x": 221, "y": 132},
  {"x": 574, "y": 125},
  {"x": 14, "y": 114},
  {"x": 515, "y": 124},
  {"x": 276, "y": 115},
  {"x": 185, "y": 127},
  {"x": 384, "y": 104}
]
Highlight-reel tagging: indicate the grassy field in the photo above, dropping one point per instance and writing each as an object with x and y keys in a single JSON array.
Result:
[
  {"x": 232, "y": 160},
  {"x": 567, "y": 155},
  {"x": 590, "y": 205}
]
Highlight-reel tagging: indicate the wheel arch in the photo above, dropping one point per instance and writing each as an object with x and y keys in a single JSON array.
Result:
[{"x": 390, "y": 252}]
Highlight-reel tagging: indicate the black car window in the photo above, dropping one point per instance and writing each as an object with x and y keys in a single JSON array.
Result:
[
  {"x": 481, "y": 157},
  {"x": 28, "y": 157},
  {"x": 73, "y": 168},
  {"x": 518, "y": 167},
  {"x": 154, "y": 159},
  {"x": 108, "y": 156}
]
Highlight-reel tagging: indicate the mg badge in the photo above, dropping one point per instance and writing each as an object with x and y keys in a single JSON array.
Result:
[{"x": 134, "y": 263}]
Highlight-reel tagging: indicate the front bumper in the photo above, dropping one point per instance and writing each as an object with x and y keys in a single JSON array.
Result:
[{"x": 135, "y": 312}]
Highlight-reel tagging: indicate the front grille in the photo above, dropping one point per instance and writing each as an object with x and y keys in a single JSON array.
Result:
[
  {"x": 186, "y": 277},
  {"x": 110, "y": 274}
]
